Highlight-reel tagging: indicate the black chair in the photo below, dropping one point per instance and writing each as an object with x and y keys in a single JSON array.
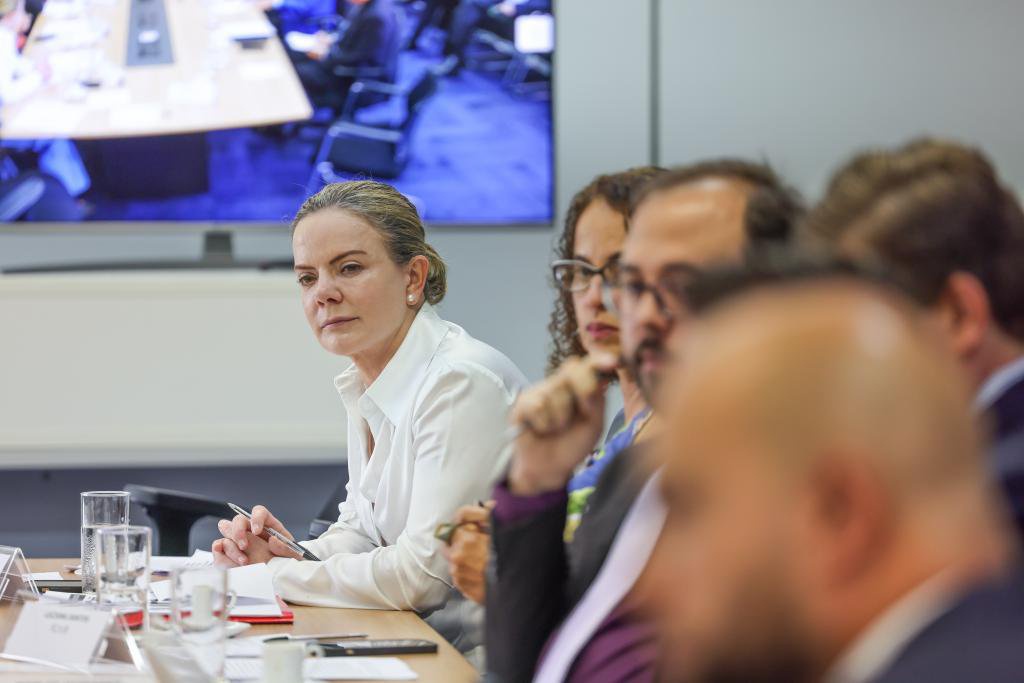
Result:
[
  {"x": 379, "y": 150},
  {"x": 489, "y": 52},
  {"x": 18, "y": 195},
  {"x": 175, "y": 512},
  {"x": 34, "y": 196},
  {"x": 328, "y": 513},
  {"x": 529, "y": 76},
  {"x": 383, "y": 73}
]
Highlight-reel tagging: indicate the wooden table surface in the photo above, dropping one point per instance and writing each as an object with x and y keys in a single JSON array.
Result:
[
  {"x": 213, "y": 83},
  {"x": 447, "y": 666}
]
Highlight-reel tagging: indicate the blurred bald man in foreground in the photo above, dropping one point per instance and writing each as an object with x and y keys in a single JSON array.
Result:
[{"x": 829, "y": 516}]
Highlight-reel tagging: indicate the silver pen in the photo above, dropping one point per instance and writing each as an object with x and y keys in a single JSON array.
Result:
[
  {"x": 317, "y": 636},
  {"x": 278, "y": 535}
]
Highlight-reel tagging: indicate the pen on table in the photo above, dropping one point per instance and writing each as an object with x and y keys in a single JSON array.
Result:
[
  {"x": 278, "y": 535},
  {"x": 318, "y": 636}
]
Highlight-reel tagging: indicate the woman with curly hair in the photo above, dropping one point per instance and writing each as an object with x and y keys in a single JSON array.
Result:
[{"x": 586, "y": 255}]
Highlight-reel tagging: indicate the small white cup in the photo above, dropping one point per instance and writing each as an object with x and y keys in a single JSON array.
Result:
[{"x": 282, "y": 661}]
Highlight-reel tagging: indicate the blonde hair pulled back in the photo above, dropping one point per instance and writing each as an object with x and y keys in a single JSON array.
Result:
[{"x": 393, "y": 216}]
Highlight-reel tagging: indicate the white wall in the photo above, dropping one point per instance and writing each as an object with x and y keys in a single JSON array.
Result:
[{"x": 805, "y": 82}]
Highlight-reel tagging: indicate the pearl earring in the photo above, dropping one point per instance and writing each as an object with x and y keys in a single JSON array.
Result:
[{"x": 412, "y": 298}]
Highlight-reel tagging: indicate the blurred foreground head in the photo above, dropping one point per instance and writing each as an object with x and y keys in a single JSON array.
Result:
[{"x": 822, "y": 464}]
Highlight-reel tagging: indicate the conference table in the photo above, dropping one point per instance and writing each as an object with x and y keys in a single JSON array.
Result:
[
  {"x": 217, "y": 72},
  {"x": 447, "y": 666}
]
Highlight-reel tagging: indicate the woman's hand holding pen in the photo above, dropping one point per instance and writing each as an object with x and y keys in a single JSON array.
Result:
[
  {"x": 468, "y": 550},
  {"x": 247, "y": 541}
]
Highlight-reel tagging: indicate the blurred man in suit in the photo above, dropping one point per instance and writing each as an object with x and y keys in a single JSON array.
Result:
[
  {"x": 371, "y": 43},
  {"x": 936, "y": 215},
  {"x": 829, "y": 520},
  {"x": 682, "y": 221},
  {"x": 443, "y": 11}
]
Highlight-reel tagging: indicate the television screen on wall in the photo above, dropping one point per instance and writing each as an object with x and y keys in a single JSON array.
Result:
[{"x": 235, "y": 110}]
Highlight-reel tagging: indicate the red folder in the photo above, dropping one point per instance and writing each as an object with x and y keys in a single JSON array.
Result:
[{"x": 287, "y": 617}]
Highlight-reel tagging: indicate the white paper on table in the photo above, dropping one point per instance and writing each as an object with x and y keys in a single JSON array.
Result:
[
  {"x": 247, "y": 29},
  {"x": 226, "y": 8},
  {"x": 200, "y": 559},
  {"x": 55, "y": 118},
  {"x": 4, "y": 559},
  {"x": 109, "y": 98},
  {"x": 63, "y": 9},
  {"x": 71, "y": 34},
  {"x": 68, "y": 66},
  {"x": 301, "y": 42},
  {"x": 329, "y": 668},
  {"x": 245, "y": 647},
  {"x": 260, "y": 71},
  {"x": 253, "y": 581},
  {"x": 46, "y": 576},
  {"x": 138, "y": 115},
  {"x": 198, "y": 92},
  {"x": 251, "y": 646},
  {"x": 122, "y": 671},
  {"x": 252, "y": 584}
]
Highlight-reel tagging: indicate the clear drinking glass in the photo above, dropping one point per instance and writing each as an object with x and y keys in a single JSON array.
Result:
[
  {"x": 122, "y": 572},
  {"x": 100, "y": 509},
  {"x": 200, "y": 603}
]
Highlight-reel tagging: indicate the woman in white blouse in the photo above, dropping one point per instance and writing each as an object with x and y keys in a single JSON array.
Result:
[{"x": 426, "y": 404}]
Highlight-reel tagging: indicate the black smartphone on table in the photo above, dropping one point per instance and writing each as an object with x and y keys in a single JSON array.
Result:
[{"x": 62, "y": 585}]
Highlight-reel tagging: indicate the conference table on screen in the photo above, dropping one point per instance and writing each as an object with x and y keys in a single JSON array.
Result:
[
  {"x": 209, "y": 81},
  {"x": 447, "y": 666}
]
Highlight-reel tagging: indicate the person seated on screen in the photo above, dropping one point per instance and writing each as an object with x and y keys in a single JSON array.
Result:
[
  {"x": 830, "y": 519},
  {"x": 581, "y": 323},
  {"x": 496, "y": 16},
  {"x": 20, "y": 77},
  {"x": 291, "y": 15},
  {"x": 443, "y": 11},
  {"x": 371, "y": 41},
  {"x": 426, "y": 406}
]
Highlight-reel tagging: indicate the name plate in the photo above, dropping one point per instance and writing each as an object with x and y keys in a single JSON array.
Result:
[
  {"x": 15, "y": 577},
  {"x": 60, "y": 634}
]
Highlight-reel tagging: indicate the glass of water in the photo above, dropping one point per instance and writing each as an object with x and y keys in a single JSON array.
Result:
[
  {"x": 200, "y": 604},
  {"x": 100, "y": 509},
  {"x": 122, "y": 572}
]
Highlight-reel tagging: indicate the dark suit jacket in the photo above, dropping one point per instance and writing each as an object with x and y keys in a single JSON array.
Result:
[
  {"x": 371, "y": 39},
  {"x": 1007, "y": 416},
  {"x": 979, "y": 640},
  {"x": 536, "y": 579}
]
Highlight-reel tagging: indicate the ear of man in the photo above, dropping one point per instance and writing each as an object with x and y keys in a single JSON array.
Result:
[
  {"x": 966, "y": 313},
  {"x": 850, "y": 519}
]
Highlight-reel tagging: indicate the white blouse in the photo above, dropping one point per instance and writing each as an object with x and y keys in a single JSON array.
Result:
[{"x": 438, "y": 415}]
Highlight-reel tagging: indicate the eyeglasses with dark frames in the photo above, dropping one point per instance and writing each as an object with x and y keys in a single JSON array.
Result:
[
  {"x": 573, "y": 275},
  {"x": 669, "y": 291}
]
